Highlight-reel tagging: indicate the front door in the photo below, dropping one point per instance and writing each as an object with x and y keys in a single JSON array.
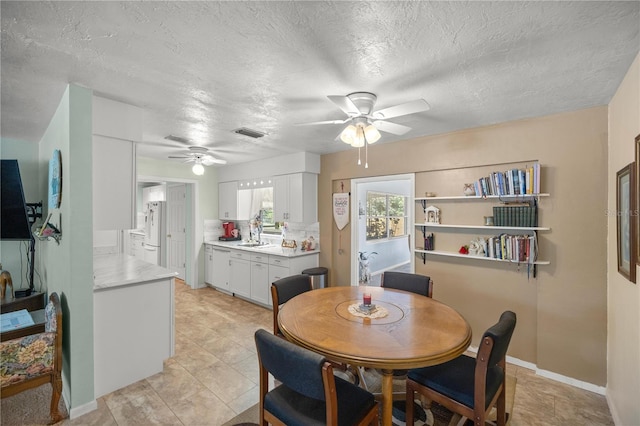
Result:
[{"x": 176, "y": 223}]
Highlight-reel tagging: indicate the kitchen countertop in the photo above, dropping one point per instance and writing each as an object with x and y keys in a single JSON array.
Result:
[
  {"x": 137, "y": 231},
  {"x": 114, "y": 270},
  {"x": 273, "y": 249}
]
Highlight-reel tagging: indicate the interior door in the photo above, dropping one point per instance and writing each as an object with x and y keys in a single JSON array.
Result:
[{"x": 176, "y": 224}]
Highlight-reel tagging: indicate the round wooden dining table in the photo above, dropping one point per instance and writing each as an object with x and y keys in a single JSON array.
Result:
[{"x": 417, "y": 331}]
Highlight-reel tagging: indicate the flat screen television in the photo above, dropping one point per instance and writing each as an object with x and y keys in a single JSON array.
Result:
[{"x": 14, "y": 220}]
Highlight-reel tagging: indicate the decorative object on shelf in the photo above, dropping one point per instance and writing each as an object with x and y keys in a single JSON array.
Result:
[
  {"x": 309, "y": 244},
  {"x": 432, "y": 214},
  {"x": 468, "y": 189},
  {"x": 429, "y": 243},
  {"x": 625, "y": 203},
  {"x": 55, "y": 180},
  {"x": 476, "y": 247},
  {"x": 429, "y": 194},
  {"x": 464, "y": 250},
  {"x": 488, "y": 220}
]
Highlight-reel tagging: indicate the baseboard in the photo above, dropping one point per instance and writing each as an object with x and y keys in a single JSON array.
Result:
[
  {"x": 601, "y": 390},
  {"x": 83, "y": 409},
  {"x": 76, "y": 411},
  {"x": 614, "y": 411}
]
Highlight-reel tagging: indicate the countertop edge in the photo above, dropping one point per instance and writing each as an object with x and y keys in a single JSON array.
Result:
[
  {"x": 276, "y": 250},
  {"x": 118, "y": 270}
]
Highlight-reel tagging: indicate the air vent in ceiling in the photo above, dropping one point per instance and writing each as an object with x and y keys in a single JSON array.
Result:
[
  {"x": 177, "y": 139},
  {"x": 249, "y": 132}
]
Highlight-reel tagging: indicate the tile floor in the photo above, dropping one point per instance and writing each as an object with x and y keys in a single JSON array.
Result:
[{"x": 214, "y": 375}]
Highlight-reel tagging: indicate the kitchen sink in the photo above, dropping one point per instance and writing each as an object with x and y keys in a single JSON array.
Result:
[{"x": 254, "y": 244}]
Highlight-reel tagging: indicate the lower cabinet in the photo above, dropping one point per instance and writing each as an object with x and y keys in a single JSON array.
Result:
[
  {"x": 260, "y": 286},
  {"x": 240, "y": 274},
  {"x": 136, "y": 245},
  {"x": 250, "y": 274},
  {"x": 220, "y": 264}
]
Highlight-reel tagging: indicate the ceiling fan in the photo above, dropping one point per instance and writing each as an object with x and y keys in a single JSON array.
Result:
[
  {"x": 359, "y": 108},
  {"x": 200, "y": 156}
]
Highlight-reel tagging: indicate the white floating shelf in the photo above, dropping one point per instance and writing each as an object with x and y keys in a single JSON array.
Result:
[
  {"x": 480, "y": 198},
  {"x": 518, "y": 228},
  {"x": 491, "y": 259}
]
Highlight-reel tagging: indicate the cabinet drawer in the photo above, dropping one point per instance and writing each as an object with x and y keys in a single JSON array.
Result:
[
  {"x": 260, "y": 258},
  {"x": 236, "y": 254},
  {"x": 279, "y": 261},
  {"x": 208, "y": 248}
]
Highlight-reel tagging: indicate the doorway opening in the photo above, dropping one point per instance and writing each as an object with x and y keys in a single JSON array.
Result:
[
  {"x": 182, "y": 224},
  {"x": 382, "y": 227}
]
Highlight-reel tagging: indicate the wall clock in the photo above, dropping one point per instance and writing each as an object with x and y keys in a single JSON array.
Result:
[{"x": 55, "y": 180}]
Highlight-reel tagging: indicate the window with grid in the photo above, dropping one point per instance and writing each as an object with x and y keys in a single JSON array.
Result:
[{"x": 386, "y": 215}]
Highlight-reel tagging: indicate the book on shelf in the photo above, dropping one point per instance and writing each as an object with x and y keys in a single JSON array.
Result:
[
  {"x": 511, "y": 182},
  {"x": 514, "y": 248}
]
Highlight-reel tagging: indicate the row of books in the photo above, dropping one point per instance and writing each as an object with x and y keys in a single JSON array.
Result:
[
  {"x": 510, "y": 215},
  {"x": 510, "y": 182},
  {"x": 516, "y": 248}
]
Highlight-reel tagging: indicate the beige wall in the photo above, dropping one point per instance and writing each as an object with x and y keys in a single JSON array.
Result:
[
  {"x": 623, "y": 371},
  {"x": 561, "y": 313}
]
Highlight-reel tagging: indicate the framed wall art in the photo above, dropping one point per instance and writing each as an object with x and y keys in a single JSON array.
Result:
[
  {"x": 626, "y": 235},
  {"x": 55, "y": 180},
  {"x": 637, "y": 195}
]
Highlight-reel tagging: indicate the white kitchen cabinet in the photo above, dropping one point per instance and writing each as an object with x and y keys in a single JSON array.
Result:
[
  {"x": 114, "y": 177},
  {"x": 260, "y": 278},
  {"x": 208, "y": 264},
  {"x": 295, "y": 197},
  {"x": 227, "y": 200},
  {"x": 240, "y": 273},
  {"x": 220, "y": 269},
  {"x": 115, "y": 127}
]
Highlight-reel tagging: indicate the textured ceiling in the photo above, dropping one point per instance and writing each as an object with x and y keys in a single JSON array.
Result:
[{"x": 202, "y": 69}]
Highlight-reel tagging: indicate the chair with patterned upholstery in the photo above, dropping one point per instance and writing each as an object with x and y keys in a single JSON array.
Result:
[
  {"x": 415, "y": 283},
  {"x": 308, "y": 393},
  {"x": 36, "y": 359},
  {"x": 468, "y": 386},
  {"x": 285, "y": 289}
]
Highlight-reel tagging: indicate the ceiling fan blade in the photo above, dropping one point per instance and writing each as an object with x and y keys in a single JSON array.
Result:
[
  {"x": 323, "y": 122},
  {"x": 393, "y": 128},
  {"x": 412, "y": 107},
  {"x": 345, "y": 104},
  {"x": 212, "y": 160},
  {"x": 181, "y": 156}
]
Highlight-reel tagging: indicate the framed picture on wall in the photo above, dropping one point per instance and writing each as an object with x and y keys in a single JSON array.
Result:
[
  {"x": 55, "y": 180},
  {"x": 626, "y": 235},
  {"x": 637, "y": 195}
]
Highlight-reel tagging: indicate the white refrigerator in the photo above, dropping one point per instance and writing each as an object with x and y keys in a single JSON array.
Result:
[{"x": 154, "y": 233}]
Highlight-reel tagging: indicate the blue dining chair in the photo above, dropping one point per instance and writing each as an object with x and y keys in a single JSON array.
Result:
[
  {"x": 283, "y": 290},
  {"x": 308, "y": 393},
  {"x": 468, "y": 386},
  {"x": 415, "y": 283}
]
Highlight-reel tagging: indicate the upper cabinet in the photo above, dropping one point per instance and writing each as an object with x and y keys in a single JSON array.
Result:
[
  {"x": 116, "y": 128},
  {"x": 295, "y": 197},
  {"x": 228, "y": 200}
]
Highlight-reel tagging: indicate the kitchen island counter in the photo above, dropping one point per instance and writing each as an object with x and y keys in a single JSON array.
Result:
[
  {"x": 114, "y": 270},
  {"x": 133, "y": 320}
]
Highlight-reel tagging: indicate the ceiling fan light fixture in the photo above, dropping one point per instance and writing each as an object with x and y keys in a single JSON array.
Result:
[
  {"x": 348, "y": 134},
  {"x": 371, "y": 133},
  {"x": 198, "y": 168}
]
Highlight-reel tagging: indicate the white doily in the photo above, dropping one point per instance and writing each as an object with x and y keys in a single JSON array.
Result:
[{"x": 378, "y": 312}]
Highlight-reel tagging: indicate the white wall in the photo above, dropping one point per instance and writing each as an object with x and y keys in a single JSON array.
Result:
[{"x": 67, "y": 268}]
